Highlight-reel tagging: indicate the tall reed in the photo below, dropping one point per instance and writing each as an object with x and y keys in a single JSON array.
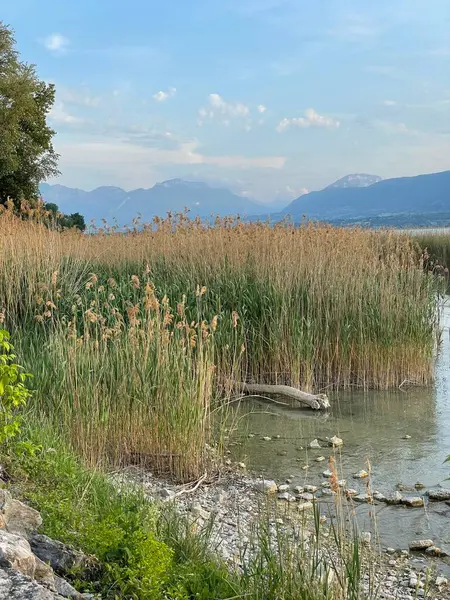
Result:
[{"x": 314, "y": 307}]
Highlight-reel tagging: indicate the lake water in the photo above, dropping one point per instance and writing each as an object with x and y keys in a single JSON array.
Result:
[{"x": 373, "y": 427}]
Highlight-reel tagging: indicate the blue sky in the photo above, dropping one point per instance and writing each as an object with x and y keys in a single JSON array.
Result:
[{"x": 267, "y": 97}]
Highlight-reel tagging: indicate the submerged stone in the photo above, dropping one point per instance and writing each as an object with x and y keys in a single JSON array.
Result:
[{"x": 439, "y": 494}]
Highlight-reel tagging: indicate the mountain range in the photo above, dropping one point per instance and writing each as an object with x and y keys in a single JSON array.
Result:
[{"x": 355, "y": 196}]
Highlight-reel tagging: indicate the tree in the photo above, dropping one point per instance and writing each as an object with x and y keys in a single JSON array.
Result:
[
  {"x": 64, "y": 221},
  {"x": 27, "y": 156}
]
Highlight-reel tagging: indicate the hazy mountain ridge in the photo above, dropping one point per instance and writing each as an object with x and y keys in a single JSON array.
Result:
[{"x": 355, "y": 196}]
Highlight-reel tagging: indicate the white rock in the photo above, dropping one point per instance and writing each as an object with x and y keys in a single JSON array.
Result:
[
  {"x": 441, "y": 581},
  {"x": 306, "y": 496},
  {"x": 267, "y": 438},
  {"x": 311, "y": 489},
  {"x": 15, "y": 553},
  {"x": 413, "y": 501},
  {"x": 361, "y": 475},
  {"x": 286, "y": 496},
  {"x": 299, "y": 489},
  {"x": 320, "y": 458},
  {"x": 283, "y": 487},
  {"x": 420, "y": 544},
  {"x": 394, "y": 498},
  {"x": 327, "y": 473},
  {"x": 336, "y": 441},
  {"x": 304, "y": 505},
  {"x": 362, "y": 498},
  {"x": 314, "y": 444},
  {"x": 266, "y": 486},
  {"x": 351, "y": 492},
  {"x": 439, "y": 494}
]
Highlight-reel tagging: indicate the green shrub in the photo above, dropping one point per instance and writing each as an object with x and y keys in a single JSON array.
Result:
[{"x": 13, "y": 392}]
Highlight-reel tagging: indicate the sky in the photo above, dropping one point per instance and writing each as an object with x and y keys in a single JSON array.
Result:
[{"x": 267, "y": 97}]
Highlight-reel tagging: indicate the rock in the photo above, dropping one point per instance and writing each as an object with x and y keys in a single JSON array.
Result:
[
  {"x": 320, "y": 458},
  {"x": 413, "y": 582},
  {"x": 328, "y": 492},
  {"x": 441, "y": 581},
  {"x": 16, "y": 586},
  {"x": 305, "y": 467},
  {"x": 327, "y": 473},
  {"x": 350, "y": 492},
  {"x": 325, "y": 484},
  {"x": 394, "y": 498},
  {"x": 342, "y": 483},
  {"x": 379, "y": 497},
  {"x": 365, "y": 538},
  {"x": 242, "y": 465},
  {"x": 167, "y": 493},
  {"x": 43, "y": 574},
  {"x": 304, "y": 506},
  {"x": 283, "y": 488},
  {"x": 251, "y": 435},
  {"x": 66, "y": 590},
  {"x": 282, "y": 453},
  {"x": 286, "y": 496},
  {"x": 198, "y": 511},
  {"x": 314, "y": 444},
  {"x": 413, "y": 501},
  {"x": 361, "y": 475},
  {"x": 439, "y": 495},
  {"x": 405, "y": 488},
  {"x": 305, "y": 496},
  {"x": 433, "y": 551},
  {"x": 16, "y": 553},
  {"x": 336, "y": 441},
  {"x": 363, "y": 498},
  {"x": 390, "y": 550},
  {"x": 266, "y": 486},
  {"x": 406, "y": 437},
  {"x": 299, "y": 489},
  {"x": 19, "y": 518},
  {"x": 419, "y": 486},
  {"x": 418, "y": 545},
  {"x": 60, "y": 557},
  {"x": 311, "y": 489},
  {"x": 266, "y": 438}
]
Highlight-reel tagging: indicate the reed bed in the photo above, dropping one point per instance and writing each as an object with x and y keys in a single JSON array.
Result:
[
  {"x": 436, "y": 249},
  {"x": 135, "y": 337}
]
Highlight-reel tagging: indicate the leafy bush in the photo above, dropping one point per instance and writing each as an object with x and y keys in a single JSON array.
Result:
[{"x": 13, "y": 392}]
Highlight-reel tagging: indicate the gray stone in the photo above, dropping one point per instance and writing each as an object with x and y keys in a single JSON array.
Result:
[
  {"x": 441, "y": 581},
  {"x": 361, "y": 475},
  {"x": 413, "y": 501},
  {"x": 362, "y": 498},
  {"x": 286, "y": 496},
  {"x": 166, "y": 493},
  {"x": 439, "y": 495},
  {"x": 60, "y": 557},
  {"x": 198, "y": 511},
  {"x": 314, "y": 444},
  {"x": 418, "y": 545},
  {"x": 394, "y": 498},
  {"x": 336, "y": 441},
  {"x": 18, "y": 518},
  {"x": 320, "y": 459},
  {"x": 66, "y": 590},
  {"x": 327, "y": 473},
  {"x": 299, "y": 489},
  {"x": 266, "y": 486},
  {"x": 379, "y": 497},
  {"x": 16, "y": 586},
  {"x": 305, "y": 496},
  {"x": 43, "y": 574},
  {"x": 433, "y": 551},
  {"x": 311, "y": 489},
  {"x": 283, "y": 488},
  {"x": 15, "y": 553}
]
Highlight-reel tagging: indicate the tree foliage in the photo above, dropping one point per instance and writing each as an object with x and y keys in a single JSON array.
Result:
[{"x": 27, "y": 156}]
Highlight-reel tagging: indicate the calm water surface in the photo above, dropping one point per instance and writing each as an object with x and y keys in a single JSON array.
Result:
[{"x": 373, "y": 426}]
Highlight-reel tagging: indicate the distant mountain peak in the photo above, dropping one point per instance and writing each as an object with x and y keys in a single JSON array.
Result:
[
  {"x": 171, "y": 183},
  {"x": 355, "y": 180}
]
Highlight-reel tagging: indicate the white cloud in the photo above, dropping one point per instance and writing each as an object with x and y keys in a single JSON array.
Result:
[
  {"x": 59, "y": 114},
  {"x": 162, "y": 96},
  {"x": 262, "y": 109},
  {"x": 105, "y": 154},
  {"x": 219, "y": 109},
  {"x": 390, "y": 103},
  {"x": 311, "y": 119},
  {"x": 56, "y": 42}
]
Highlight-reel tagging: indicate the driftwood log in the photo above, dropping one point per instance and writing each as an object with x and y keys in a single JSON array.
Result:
[{"x": 314, "y": 401}]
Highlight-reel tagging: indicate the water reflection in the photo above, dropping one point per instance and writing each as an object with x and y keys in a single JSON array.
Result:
[{"x": 373, "y": 426}]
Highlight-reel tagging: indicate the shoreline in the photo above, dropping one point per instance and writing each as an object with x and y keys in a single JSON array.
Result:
[{"x": 232, "y": 504}]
